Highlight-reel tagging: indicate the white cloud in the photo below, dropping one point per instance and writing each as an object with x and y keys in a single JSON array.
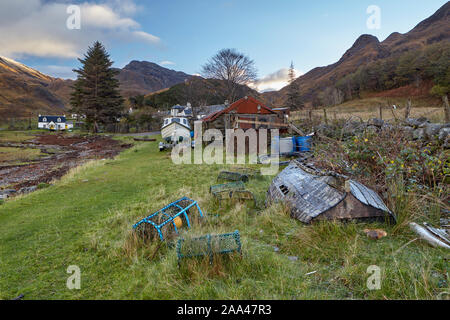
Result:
[
  {"x": 38, "y": 28},
  {"x": 62, "y": 72},
  {"x": 274, "y": 81},
  {"x": 167, "y": 63}
]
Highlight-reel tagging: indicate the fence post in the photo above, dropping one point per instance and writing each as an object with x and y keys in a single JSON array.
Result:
[
  {"x": 408, "y": 108},
  {"x": 446, "y": 109},
  {"x": 325, "y": 115},
  {"x": 381, "y": 112}
]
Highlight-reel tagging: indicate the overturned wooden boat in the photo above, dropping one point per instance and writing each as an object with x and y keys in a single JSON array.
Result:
[
  {"x": 311, "y": 195},
  {"x": 176, "y": 129}
]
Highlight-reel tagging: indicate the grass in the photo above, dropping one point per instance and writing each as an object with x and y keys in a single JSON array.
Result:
[
  {"x": 18, "y": 154},
  {"x": 16, "y": 136},
  {"x": 85, "y": 220}
]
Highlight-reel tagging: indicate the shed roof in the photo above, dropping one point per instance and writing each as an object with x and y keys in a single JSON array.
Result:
[{"x": 246, "y": 105}]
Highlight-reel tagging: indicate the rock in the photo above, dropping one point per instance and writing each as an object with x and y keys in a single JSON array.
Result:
[
  {"x": 25, "y": 190},
  {"x": 353, "y": 127},
  {"x": 408, "y": 131},
  {"x": 375, "y": 122},
  {"x": 419, "y": 134},
  {"x": 387, "y": 126},
  {"x": 416, "y": 122},
  {"x": 446, "y": 144},
  {"x": 444, "y": 133},
  {"x": 375, "y": 234},
  {"x": 432, "y": 129},
  {"x": 372, "y": 129},
  {"x": 293, "y": 258},
  {"x": 276, "y": 249}
]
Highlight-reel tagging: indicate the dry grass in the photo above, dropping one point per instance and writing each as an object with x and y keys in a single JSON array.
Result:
[
  {"x": 8, "y": 155},
  {"x": 369, "y": 108}
]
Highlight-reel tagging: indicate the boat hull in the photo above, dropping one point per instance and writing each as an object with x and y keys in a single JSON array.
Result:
[{"x": 174, "y": 131}]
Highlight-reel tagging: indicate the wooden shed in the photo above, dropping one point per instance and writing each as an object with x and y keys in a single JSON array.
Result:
[{"x": 244, "y": 114}]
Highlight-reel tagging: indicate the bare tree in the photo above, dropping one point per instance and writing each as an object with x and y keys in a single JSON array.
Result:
[{"x": 232, "y": 67}]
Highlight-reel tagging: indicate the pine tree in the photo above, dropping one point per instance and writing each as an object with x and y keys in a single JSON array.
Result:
[
  {"x": 293, "y": 95},
  {"x": 96, "y": 90}
]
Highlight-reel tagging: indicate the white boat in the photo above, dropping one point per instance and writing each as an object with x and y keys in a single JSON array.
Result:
[{"x": 175, "y": 130}]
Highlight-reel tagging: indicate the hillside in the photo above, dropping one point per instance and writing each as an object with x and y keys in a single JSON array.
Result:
[
  {"x": 24, "y": 90},
  {"x": 142, "y": 77},
  {"x": 368, "y": 49},
  {"x": 199, "y": 92}
]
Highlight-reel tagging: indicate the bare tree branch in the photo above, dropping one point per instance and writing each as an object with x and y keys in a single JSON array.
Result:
[{"x": 232, "y": 67}]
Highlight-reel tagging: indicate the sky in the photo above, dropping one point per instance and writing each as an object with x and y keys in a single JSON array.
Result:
[{"x": 183, "y": 34}]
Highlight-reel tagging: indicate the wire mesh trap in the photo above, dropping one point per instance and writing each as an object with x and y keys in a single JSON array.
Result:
[
  {"x": 232, "y": 176},
  {"x": 209, "y": 245},
  {"x": 249, "y": 172},
  {"x": 173, "y": 215},
  {"x": 222, "y": 191},
  {"x": 233, "y": 190}
]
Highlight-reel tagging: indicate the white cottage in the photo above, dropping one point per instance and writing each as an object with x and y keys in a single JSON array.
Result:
[{"x": 54, "y": 123}]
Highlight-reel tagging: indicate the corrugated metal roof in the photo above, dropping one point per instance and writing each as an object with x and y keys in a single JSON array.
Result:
[
  {"x": 308, "y": 194},
  {"x": 367, "y": 196},
  {"x": 247, "y": 105}
]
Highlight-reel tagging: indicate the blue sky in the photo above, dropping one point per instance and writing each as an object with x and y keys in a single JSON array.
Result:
[{"x": 183, "y": 34}]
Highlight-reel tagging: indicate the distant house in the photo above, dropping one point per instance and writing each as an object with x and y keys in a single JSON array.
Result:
[
  {"x": 205, "y": 111},
  {"x": 54, "y": 123},
  {"x": 181, "y": 111}
]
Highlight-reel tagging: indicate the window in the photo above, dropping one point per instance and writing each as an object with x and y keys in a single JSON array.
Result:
[
  {"x": 284, "y": 189},
  {"x": 177, "y": 120},
  {"x": 44, "y": 119},
  {"x": 59, "y": 119},
  {"x": 184, "y": 121}
]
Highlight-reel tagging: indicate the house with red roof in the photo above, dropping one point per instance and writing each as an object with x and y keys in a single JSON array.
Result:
[{"x": 245, "y": 113}]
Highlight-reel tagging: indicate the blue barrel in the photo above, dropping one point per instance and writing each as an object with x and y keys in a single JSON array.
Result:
[
  {"x": 303, "y": 144},
  {"x": 294, "y": 143}
]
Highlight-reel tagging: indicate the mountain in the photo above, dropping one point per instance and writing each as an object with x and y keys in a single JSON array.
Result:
[
  {"x": 142, "y": 77},
  {"x": 24, "y": 90},
  {"x": 368, "y": 49}
]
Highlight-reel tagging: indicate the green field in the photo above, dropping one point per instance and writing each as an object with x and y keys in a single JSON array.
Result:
[{"x": 85, "y": 220}]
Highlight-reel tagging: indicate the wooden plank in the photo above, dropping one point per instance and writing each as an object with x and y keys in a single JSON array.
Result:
[{"x": 263, "y": 123}]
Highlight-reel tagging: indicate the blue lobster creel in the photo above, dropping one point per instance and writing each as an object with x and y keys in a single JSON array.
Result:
[
  {"x": 167, "y": 216},
  {"x": 303, "y": 144},
  {"x": 209, "y": 245}
]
